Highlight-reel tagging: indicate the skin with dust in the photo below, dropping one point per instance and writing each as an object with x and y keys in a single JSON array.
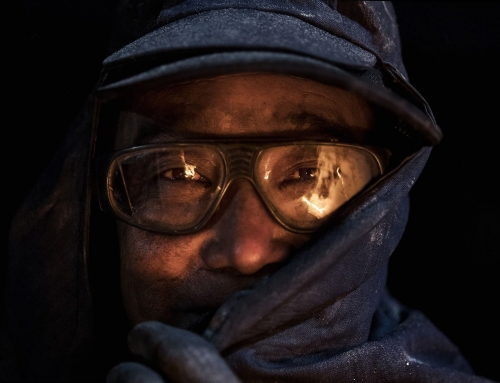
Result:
[{"x": 181, "y": 279}]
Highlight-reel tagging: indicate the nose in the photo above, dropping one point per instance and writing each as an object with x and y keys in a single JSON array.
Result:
[{"x": 246, "y": 237}]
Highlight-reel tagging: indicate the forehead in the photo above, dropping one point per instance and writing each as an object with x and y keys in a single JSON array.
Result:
[{"x": 248, "y": 104}]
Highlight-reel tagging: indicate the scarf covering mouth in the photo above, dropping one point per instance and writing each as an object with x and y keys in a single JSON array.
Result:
[{"x": 327, "y": 316}]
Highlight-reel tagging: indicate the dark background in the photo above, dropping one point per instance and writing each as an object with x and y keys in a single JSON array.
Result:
[{"x": 447, "y": 263}]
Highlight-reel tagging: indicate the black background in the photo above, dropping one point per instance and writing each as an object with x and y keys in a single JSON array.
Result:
[{"x": 447, "y": 263}]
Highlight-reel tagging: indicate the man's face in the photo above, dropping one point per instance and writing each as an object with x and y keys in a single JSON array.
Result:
[{"x": 179, "y": 279}]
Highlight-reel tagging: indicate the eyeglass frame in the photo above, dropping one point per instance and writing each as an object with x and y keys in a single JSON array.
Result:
[{"x": 242, "y": 171}]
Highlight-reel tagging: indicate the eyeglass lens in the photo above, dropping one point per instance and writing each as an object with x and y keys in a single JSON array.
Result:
[
  {"x": 306, "y": 183},
  {"x": 174, "y": 188}
]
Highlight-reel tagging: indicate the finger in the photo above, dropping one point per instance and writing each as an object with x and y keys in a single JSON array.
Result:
[
  {"x": 181, "y": 355},
  {"x": 131, "y": 372}
]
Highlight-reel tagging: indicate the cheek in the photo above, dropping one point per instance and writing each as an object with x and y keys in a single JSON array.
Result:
[
  {"x": 146, "y": 258},
  {"x": 152, "y": 267}
]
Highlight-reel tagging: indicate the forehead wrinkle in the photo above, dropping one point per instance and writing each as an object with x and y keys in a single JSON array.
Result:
[
  {"x": 191, "y": 109},
  {"x": 342, "y": 103},
  {"x": 175, "y": 109},
  {"x": 305, "y": 120},
  {"x": 333, "y": 95},
  {"x": 311, "y": 124}
]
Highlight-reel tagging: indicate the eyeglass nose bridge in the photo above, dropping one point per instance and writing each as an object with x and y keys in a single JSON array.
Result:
[{"x": 239, "y": 162}]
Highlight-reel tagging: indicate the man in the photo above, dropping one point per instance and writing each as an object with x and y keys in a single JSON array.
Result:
[{"x": 254, "y": 159}]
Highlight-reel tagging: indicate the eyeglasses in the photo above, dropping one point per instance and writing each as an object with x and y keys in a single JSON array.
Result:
[{"x": 175, "y": 188}]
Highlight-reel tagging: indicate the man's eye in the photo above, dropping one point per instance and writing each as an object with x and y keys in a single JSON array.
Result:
[
  {"x": 300, "y": 177},
  {"x": 302, "y": 174},
  {"x": 187, "y": 173}
]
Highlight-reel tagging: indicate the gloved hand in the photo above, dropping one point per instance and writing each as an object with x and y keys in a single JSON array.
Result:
[{"x": 170, "y": 354}]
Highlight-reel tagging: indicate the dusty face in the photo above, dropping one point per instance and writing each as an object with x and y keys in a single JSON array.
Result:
[{"x": 181, "y": 279}]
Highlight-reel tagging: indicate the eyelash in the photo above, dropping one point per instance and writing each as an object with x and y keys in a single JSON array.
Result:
[{"x": 201, "y": 179}]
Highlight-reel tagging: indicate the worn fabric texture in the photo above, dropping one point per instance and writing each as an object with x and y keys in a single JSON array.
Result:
[{"x": 326, "y": 315}]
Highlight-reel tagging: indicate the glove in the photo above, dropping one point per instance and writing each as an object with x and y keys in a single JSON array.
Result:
[{"x": 170, "y": 354}]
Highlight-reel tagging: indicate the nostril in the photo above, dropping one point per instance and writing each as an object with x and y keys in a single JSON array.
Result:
[
  {"x": 255, "y": 252},
  {"x": 269, "y": 268},
  {"x": 250, "y": 254},
  {"x": 262, "y": 272}
]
